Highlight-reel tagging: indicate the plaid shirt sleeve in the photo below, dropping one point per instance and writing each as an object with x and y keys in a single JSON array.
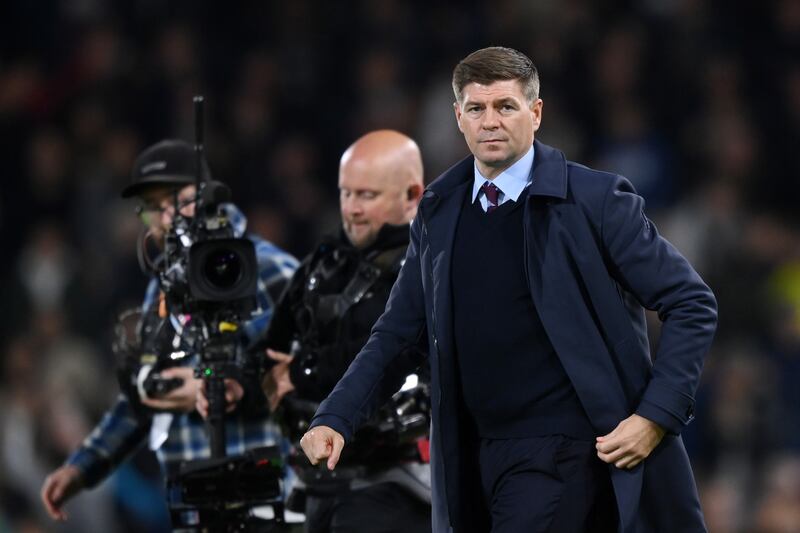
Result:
[
  {"x": 118, "y": 434},
  {"x": 276, "y": 269}
]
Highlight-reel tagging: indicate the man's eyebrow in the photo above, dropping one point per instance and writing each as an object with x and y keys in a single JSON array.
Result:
[
  {"x": 358, "y": 189},
  {"x": 506, "y": 100},
  {"x": 471, "y": 102}
]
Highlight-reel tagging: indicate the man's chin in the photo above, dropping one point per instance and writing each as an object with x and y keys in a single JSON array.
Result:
[
  {"x": 360, "y": 240},
  {"x": 493, "y": 158}
]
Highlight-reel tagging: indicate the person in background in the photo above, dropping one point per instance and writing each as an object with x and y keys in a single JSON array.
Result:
[
  {"x": 324, "y": 319},
  {"x": 163, "y": 178}
]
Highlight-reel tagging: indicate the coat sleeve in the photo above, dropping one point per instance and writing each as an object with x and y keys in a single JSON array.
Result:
[
  {"x": 400, "y": 328},
  {"x": 662, "y": 280}
]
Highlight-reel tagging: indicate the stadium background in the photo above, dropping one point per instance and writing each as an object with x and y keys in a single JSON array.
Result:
[{"x": 696, "y": 101}]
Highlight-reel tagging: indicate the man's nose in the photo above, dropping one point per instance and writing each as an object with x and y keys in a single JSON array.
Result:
[
  {"x": 351, "y": 206},
  {"x": 167, "y": 213},
  {"x": 491, "y": 120}
]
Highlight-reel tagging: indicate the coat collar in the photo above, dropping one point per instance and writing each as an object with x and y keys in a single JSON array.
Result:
[{"x": 549, "y": 175}]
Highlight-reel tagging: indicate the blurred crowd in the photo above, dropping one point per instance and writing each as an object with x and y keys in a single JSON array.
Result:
[{"x": 697, "y": 102}]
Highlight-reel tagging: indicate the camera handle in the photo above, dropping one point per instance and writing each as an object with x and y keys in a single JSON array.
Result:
[
  {"x": 213, "y": 375},
  {"x": 215, "y": 389}
]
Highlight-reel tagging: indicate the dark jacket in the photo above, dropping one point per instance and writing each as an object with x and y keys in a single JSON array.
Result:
[
  {"x": 594, "y": 261},
  {"x": 325, "y": 343}
]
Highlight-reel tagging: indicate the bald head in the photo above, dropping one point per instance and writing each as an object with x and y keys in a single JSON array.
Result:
[{"x": 380, "y": 182}]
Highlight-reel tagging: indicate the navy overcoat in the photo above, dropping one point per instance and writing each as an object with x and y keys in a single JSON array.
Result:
[{"x": 594, "y": 263}]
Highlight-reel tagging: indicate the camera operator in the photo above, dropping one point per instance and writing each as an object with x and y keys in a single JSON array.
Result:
[
  {"x": 323, "y": 320},
  {"x": 164, "y": 179}
]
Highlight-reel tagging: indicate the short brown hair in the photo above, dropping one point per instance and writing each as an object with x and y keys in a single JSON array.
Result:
[{"x": 488, "y": 65}]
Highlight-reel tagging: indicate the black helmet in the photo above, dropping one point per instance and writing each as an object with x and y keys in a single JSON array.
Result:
[{"x": 169, "y": 162}]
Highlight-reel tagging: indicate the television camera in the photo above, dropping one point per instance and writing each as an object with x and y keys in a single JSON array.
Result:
[{"x": 208, "y": 280}]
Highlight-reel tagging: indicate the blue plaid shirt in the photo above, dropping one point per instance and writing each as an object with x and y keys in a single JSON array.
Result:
[{"x": 121, "y": 431}]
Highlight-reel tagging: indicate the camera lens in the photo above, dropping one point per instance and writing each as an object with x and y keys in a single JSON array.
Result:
[{"x": 223, "y": 268}]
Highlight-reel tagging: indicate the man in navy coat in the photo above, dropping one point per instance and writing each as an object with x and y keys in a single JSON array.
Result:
[{"x": 528, "y": 276}]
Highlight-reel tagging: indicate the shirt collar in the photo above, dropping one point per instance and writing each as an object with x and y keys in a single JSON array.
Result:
[
  {"x": 512, "y": 181},
  {"x": 236, "y": 219}
]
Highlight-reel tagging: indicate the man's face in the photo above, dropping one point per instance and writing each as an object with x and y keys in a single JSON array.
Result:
[
  {"x": 158, "y": 206},
  {"x": 498, "y": 123},
  {"x": 368, "y": 199}
]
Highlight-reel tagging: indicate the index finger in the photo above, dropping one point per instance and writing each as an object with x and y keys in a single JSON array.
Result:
[
  {"x": 607, "y": 446},
  {"x": 202, "y": 405},
  {"x": 177, "y": 372},
  {"x": 50, "y": 496},
  {"x": 308, "y": 446}
]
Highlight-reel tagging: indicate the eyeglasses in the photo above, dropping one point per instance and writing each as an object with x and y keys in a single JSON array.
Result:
[{"x": 146, "y": 210}]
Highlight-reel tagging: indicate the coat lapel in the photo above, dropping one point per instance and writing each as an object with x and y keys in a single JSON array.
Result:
[
  {"x": 554, "y": 262},
  {"x": 549, "y": 172},
  {"x": 440, "y": 209}
]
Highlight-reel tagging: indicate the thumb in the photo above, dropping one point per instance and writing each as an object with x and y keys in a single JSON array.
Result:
[
  {"x": 202, "y": 407},
  {"x": 57, "y": 493},
  {"x": 280, "y": 357}
]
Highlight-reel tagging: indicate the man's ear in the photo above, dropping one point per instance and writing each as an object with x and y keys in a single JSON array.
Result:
[
  {"x": 536, "y": 113},
  {"x": 414, "y": 192},
  {"x": 457, "y": 110}
]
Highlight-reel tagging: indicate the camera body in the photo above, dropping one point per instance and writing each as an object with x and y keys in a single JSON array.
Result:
[
  {"x": 218, "y": 494},
  {"x": 156, "y": 386},
  {"x": 391, "y": 434},
  {"x": 207, "y": 269}
]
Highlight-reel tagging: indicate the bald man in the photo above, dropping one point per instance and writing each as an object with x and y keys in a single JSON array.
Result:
[{"x": 323, "y": 320}]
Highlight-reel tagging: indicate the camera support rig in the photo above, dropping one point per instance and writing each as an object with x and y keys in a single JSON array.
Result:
[{"x": 210, "y": 279}]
